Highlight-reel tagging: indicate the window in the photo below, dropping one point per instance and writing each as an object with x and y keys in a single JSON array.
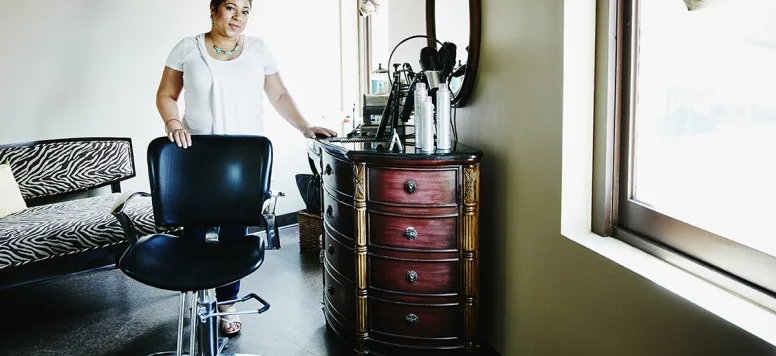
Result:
[
  {"x": 378, "y": 37},
  {"x": 374, "y": 46},
  {"x": 697, "y": 134}
]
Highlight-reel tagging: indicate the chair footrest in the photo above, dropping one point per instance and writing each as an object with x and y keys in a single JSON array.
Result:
[{"x": 265, "y": 305}]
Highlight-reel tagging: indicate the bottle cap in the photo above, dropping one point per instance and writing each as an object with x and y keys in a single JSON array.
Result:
[
  {"x": 380, "y": 69},
  {"x": 420, "y": 86},
  {"x": 442, "y": 86}
]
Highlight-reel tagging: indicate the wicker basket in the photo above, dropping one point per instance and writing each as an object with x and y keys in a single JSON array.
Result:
[{"x": 309, "y": 231}]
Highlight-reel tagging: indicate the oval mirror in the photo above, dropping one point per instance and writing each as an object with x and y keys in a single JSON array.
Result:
[{"x": 457, "y": 22}]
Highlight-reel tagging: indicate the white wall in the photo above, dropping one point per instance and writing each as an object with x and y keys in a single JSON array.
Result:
[
  {"x": 349, "y": 25},
  {"x": 91, "y": 68},
  {"x": 543, "y": 294}
]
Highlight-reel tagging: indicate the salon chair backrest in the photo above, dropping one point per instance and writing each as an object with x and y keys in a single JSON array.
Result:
[{"x": 218, "y": 181}]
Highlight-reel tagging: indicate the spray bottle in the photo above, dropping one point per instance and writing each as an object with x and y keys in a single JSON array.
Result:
[
  {"x": 420, "y": 95},
  {"x": 428, "y": 126},
  {"x": 443, "y": 126}
]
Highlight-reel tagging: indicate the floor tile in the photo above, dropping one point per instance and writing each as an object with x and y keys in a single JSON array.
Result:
[{"x": 106, "y": 313}]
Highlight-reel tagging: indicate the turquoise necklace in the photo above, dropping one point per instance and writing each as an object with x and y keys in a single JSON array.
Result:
[{"x": 228, "y": 53}]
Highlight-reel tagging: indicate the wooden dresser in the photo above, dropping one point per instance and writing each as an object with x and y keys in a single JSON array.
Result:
[{"x": 401, "y": 246}]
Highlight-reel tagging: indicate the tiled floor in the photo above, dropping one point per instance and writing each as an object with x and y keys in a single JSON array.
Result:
[{"x": 106, "y": 313}]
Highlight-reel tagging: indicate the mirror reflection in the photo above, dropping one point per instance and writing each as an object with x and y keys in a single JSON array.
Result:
[
  {"x": 451, "y": 20},
  {"x": 447, "y": 21}
]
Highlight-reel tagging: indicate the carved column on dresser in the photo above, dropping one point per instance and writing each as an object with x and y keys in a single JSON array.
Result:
[
  {"x": 359, "y": 203},
  {"x": 470, "y": 236}
]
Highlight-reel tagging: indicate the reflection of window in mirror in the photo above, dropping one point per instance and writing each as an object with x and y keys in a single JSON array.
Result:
[
  {"x": 379, "y": 50},
  {"x": 452, "y": 25}
]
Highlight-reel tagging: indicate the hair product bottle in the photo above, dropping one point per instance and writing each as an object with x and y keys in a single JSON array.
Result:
[
  {"x": 444, "y": 130},
  {"x": 428, "y": 126},
  {"x": 420, "y": 95}
]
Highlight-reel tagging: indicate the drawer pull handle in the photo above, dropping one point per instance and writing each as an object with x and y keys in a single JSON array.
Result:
[
  {"x": 410, "y": 186},
  {"x": 331, "y": 290},
  {"x": 412, "y": 319},
  {"x": 410, "y": 233},
  {"x": 412, "y": 276},
  {"x": 331, "y": 249},
  {"x": 328, "y": 171},
  {"x": 330, "y": 212}
]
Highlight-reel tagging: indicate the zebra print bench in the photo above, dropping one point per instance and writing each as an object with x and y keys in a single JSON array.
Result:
[{"x": 66, "y": 229}]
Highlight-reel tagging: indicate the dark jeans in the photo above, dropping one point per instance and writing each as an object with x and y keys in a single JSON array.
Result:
[{"x": 229, "y": 291}]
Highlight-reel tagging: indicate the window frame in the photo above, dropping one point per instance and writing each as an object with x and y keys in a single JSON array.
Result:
[
  {"x": 724, "y": 262},
  {"x": 365, "y": 56}
]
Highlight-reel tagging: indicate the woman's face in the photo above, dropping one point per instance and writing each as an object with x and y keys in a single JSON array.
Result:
[{"x": 231, "y": 17}]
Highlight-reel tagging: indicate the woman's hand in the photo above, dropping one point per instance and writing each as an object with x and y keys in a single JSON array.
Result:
[
  {"x": 311, "y": 131},
  {"x": 176, "y": 133}
]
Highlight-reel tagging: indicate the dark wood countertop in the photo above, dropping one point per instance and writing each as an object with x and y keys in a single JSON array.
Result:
[{"x": 378, "y": 151}]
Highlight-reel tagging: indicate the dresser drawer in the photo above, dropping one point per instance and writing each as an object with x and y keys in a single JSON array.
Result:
[
  {"x": 341, "y": 297},
  {"x": 337, "y": 174},
  {"x": 338, "y": 215},
  {"x": 413, "y": 277},
  {"x": 412, "y": 320},
  {"x": 340, "y": 257},
  {"x": 413, "y": 186},
  {"x": 378, "y": 347},
  {"x": 437, "y": 233}
]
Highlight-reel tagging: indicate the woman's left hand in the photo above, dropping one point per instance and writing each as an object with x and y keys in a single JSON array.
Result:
[{"x": 312, "y": 131}]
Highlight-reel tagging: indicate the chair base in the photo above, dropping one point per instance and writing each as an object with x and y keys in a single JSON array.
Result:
[
  {"x": 204, "y": 339},
  {"x": 173, "y": 353},
  {"x": 222, "y": 345}
]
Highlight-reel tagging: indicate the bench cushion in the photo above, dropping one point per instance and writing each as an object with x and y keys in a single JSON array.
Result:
[{"x": 59, "y": 229}]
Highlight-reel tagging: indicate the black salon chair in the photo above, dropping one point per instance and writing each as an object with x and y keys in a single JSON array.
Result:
[{"x": 218, "y": 181}]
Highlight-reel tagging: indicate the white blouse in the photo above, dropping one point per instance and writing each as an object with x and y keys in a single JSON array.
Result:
[{"x": 223, "y": 97}]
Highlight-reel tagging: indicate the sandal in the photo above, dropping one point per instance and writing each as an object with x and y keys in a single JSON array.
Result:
[{"x": 233, "y": 323}]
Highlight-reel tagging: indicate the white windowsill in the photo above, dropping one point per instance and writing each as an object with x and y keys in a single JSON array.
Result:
[
  {"x": 589, "y": 102},
  {"x": 738, "y": 311}
]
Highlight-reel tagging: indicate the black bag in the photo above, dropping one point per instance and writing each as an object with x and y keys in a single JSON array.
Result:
[{"x": 309, "y": 186}]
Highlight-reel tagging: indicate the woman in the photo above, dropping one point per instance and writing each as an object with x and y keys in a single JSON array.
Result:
[{"x": 225, "y": 75}]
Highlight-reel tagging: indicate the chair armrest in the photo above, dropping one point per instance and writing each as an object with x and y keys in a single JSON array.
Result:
[
  {"x": 273, "y": 235},
  {"x": 123, "y": 200},
  {"x": 126, "y": 223},
  {"x": 271, "y": 201}
]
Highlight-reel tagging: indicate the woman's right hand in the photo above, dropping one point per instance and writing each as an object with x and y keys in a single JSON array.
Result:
[{"x": 176, "y": 133}]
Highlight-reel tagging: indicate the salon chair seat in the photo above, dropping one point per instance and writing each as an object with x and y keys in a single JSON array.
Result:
[
  {"x": 218, "y": 181},
  {"x": 173, "y": 263}
]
